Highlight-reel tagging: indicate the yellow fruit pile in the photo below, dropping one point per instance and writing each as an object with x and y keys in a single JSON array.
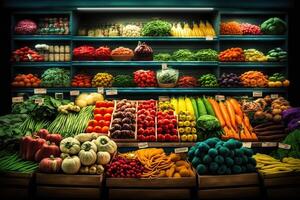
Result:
[
  {"x": 102, "y": 80},
  {"x": 165, "y": 106},
  {"x": 187, "y": 126},
  {"x": 197, "y": 30}
]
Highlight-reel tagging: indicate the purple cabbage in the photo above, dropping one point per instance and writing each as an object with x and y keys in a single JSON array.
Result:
[{"x": 291, "y": 117}]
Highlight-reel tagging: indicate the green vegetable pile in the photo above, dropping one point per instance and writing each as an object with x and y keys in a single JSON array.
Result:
[
  {"x": 162, "y": 57},
  {"x": 56, "y": 77},
  {"x": 31, "y": 125},
  {"x": 206, "y": 55},
  {"x": 214, "y": 156},
  {"x": 183, "y": 55},
  {"x": 157, "y": 28},
  {"x": 167, "y": 76},
  {"x": 277, "y": 77},
  {"x": 208, "y": 80},
  {"x": 12, "y": 162},
  {"x": 123, "y": 81},
  {"x": 276, "y": 55},
  {"x": 273, "y": 26}
]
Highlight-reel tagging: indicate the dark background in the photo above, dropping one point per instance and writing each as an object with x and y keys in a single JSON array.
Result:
[{"x": 6, "y": 6}]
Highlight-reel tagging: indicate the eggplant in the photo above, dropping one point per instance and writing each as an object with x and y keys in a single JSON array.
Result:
[
  {"x": 118, "y": 115},
  {"x": 132, "y": 127},
  {"x": 117, "y": 126},
  {"x": 117, "y": 121},
  {"x": 126, "y": 127},
  {"x": 132, "y": 110},
  {"x": 126, "y": 120},
  {"x": 129, "y": 115}
]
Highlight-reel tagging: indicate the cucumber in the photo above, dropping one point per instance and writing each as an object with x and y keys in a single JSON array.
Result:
[
  {"x": 208, "y": 107},
  {"x": 201, "y": 107},
  {"x": 194, "y": 104},
  {"x": 283, "y": 53}
]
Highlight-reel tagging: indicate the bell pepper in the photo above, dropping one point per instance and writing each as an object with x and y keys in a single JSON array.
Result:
[
  {"x": 46, "y": 151},
  {"x": 33, "y": 146},
  {"x": 24, "y": 146},
  {"x": 43, "y": 133},
  {"x": 54, "y": 138}
]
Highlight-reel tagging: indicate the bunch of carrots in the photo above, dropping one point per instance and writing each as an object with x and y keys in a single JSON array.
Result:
[
  {"x": 232, "y": 55},
  {"x": 235, "y": 123},
  {"x": 231, "y": 28}
]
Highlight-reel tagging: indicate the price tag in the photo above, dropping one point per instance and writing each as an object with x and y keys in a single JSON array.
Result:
[
  {"x": 111, "y": 92},
  {"x": 164, "y": 98},
  {"x": 209, "y": 38},
  {"x": 164, "y": 66},
  {"x": 220, "y": 97},
  {"x": 181, "y": 150},
  {"x": 143, "y": 145},
  {"x": 17, "y": 99},
  {"x": 40, "y": 91},
  {"x": 100, "y": 90},
  {"x": 74, "y": 92},
  {"x": 39, "y": 101},
  {"x": 59, "y": 96},
  {"x": 284, "y": 146},
  {"x": 269, "y": 144},
  {"x": 257, "y": 94},
  {"x": 247, "y": 144},
  {"x": 244, "y": 97},
  {"x": 274, "y": 96}
]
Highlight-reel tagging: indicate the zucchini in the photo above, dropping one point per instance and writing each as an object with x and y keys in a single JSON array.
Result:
[
  {"x": 194, "y": 104},
  {"x": 201, "y": 107}
]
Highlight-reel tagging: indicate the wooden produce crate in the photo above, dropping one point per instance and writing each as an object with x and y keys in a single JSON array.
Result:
[
  {"x": 15, "y": 185},
  {"x": 62, "y": 186},
  {"x": 152, "y": 189},
  {"x": 281, "y": 186},
  {"x": 239, "y": 186}
]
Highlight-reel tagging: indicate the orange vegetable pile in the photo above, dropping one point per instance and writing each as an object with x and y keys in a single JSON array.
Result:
[
  {"x": 81, "y": 80},
  {"x": 122, "y": 51},
  {"x": 231, "y": 28},
  {"x": 254, "y": 79},
  {"x": 26, "y": 80},
  {"x": 235, "y": 123},
  {"x": 232, "y": 54}
]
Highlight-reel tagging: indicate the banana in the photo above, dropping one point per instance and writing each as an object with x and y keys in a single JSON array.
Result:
[
  {"x": 181, "y": 105},
  {"x": 189, "y": 106},
  {"x": 174, "y": 102}
]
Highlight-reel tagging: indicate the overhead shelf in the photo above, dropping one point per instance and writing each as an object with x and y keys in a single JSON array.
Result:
[
  {"x": 252, "y": 64},
  {"x": 41, "y": 64},
  {"x": 253, "y": 37},
  {"x": 42, "y": 37}
]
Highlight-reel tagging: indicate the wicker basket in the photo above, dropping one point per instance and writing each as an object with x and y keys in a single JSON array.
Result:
[
  {"x": 166, "y": 85},
  {"x": 122, "y": 57}
]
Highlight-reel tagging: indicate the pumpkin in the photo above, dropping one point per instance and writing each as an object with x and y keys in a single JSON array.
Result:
[
  {"x": 70, "y": 145},
  {"x": 88, "y": 155},
  {"x": 71, "y": 165},
  {"x": 50, "y": 165},
  {"x": 89, "y": 145},
  {"x": 103, "y": 143},
  {"x": 103, "y": 158}
]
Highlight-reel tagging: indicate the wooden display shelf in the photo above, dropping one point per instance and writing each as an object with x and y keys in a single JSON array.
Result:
[
  {"x": 239, "y": 186},
  {"x": 158, "y": 188},
  {"x": 281, "y": 186},
  {"x": 62, "y": 186},
  {"x": 15, "y": 185}
]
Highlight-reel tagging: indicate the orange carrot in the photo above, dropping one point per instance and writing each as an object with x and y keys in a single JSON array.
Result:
[
  {"x": 225, "y": 114},
  {"x": 231, "y": 115},
  {"x": 234, "y": 134},
  {"x": 254, "y": 137},
  {"x": 243, "y": 136},
  {"x": 238, "y": 120},
  {"x": 247, "y": 122},
  {"x": 247, "y": 133},
  {"x": 237, "y": 107},
  {"x": 217, "y": 111},
  {"x": 227, "y": 133}
]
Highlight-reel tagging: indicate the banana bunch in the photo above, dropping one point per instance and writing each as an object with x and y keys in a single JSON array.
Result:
[
  {"x": 174, "y": 102},
  {"x": 269, "y": 165},
  {"x": 198, "y": 30},
  {"x": 181, "y": 105},
  {"x": 189, "y": 106}
]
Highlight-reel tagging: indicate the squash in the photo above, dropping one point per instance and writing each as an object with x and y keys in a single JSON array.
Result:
[
  {"x": 103, "y": 158},
  {"x": 83, "y": 137},
  {"x": 89, "y": 145},
  {"x": 50, "y": 165},
  {"x": 64, "y": 155},
  {"x": 71, "y": 165},
  {"x": 100, "y": 169},
  {"x": 70, "y": 145},
  {"x": 103, "y": 143},
  {"x": 88, "y": 155}
]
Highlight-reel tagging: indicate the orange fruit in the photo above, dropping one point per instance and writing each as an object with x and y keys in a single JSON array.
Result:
[
  {"x": 286, "y": 83},
  {"x": 278, "y": 84}
]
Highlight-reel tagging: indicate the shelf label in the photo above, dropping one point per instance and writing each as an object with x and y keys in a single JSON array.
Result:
[
  {"x": 268, "y": 144},
  {"x": 59, "y": 95},
  {"x": 244, "y": 97},
  {"x": 247, "y": 144},
  {"x": 209, "y": 38},
  {"x": 39, "y": 101},
  {"x": 274, "y": 96},
  {"x": 220, "y": 97},
  {"x": 181, "y": 150},
  {"x": 143, "y": 145},
  {"x": 257, "y": 94},
  {"x": 17, "y": 99},
  {"x": 284, "y": 146},
  {"x": 40, "y": 91},
  {"x": 74, "y": 92},
  {"x": 164, "y": 66},
  {"x": 163, "y": 98},
  {"x": 111, "y": 92},
  {"x": 100, "y": 90}
]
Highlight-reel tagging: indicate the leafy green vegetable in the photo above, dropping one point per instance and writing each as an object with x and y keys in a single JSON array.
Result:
[
  {"x": 163, "y": 57},
  {"x": 273, "y": 26},
  {"x": 208, "y": 80},
  {"x": 157, "y": 28},
  {"x": 123, "y": 81},
  {"x": 56, "y": 77},
  {"x": 208, "y": 123},
  {"x": 183, "y": 55},
  {"x": 206, "y": 55}
]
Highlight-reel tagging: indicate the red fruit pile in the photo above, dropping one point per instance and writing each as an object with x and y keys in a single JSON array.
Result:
[
  {"x": 103, "y": 53},
  {"x": 25, "y": 54},
  {"x": 84, "y": 52},
  {"x": 167, "y": 126},
  {"x": 145, "y": 78},
  {"x": 187, "y": 81},
  {"x": 146, "y": 120},
  {"x": 26, "y": 80},
  {"x": 121, "y": 167},
  {"x": 250, "y": 29},
  {"x": 102, "y": 117},
  {"x": 82, "y": 80}
]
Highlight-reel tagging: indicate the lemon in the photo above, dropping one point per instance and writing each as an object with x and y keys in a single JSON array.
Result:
[
  {"x": 194, "y": 130},
  {"x": 187, "y": 130},
  {"x": 181, "y": 130},
  {"x": 193, "y": 124},
  {"x": 187, "y": 123},
  {"x": 189, "y": 118},
  {"x": 183, "y": 138},
  {"x": 190, "y": 138},
  {"x": 180, "y": 124},
  {"x": 195, "y": 137}
]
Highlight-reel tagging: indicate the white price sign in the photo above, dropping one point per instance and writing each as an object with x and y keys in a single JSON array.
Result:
[
  {"x": 164, "y": 98},
  {"x": 17, "y": 99},
  {"x": 143, "y": 145},
  {"x": 39, "y": 101},
  {"x": 100, "y": 90},
  {"x": 284, "y": 146},
  {"x": 247, "y": 144},
  {"x": 181, "y": 150},
  {"x": 164, "y": 66},
  {"x": 269, "y": 144},
  {"x": 40, "y": 91},
  {"x": 59, "y": 96},
  {"x": 209, "y": 38},
  {"x": 74, "y": 92},
  {"x": 274, "y": 96},
  {"x": 111, "y": 92},
  {"x": 220, "y": 97},
  {"x": 257, "y": 94}
]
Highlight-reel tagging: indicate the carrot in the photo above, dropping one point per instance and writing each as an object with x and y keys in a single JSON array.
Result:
[
  {"x": 225, "y": 114},
  {"x": 231, "y": 115},
  {"x": 243, "y": 136},
  {"x": 247, "y": 133},
  {"x": 254, "y": 137},
  {"x": 237, "y": 107},
  {"x": 227, "y": 134},
  {"x": 234, "y": 134},
  {"x": 247, "y": 122},
  {"x": 238, "y": 120},
  {"x": 217, "y": 111}
]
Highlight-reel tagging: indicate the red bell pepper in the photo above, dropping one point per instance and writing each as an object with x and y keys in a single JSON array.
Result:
[
  {"x": 24, "y": 146},
  {"x": 33, "y": 146},
  {"x": 46, "y": 151},
  {"x": 43, "y": 133},
  {"x": 54, "y": 138}
]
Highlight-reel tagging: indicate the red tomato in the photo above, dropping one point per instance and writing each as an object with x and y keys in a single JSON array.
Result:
[
  {"x": 96, "y": 111},
  {"x": 107, "y": 117},
  {"x": 101, "y": 123},
  {"x": 105, "y": 129},
  {"x": 92, "y": 123},
  {"x": 97, "y": 129},
  {"x": 109, "y": 110},
  {"x": 110, "y": 104},
  {"x": 89, "y": 129},
  {"x": 100, "y": 104},
  {"x": 98, "y": 117},
  {"x": 107, "y": 123},
  {"x": 102, "y": 110}
]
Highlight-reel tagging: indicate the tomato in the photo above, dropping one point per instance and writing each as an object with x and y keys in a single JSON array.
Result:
[
  {"x": 168, "y": 137},
  {"x": 107, "y": 123},
  {"x": 102, "y": 110},
  {"x": 97, "y": 129},
  {"x": 96, "y": 111},
  {"x": 105, "y": 129},
  {"x": 152, "y": 138},
  {"x": 89, "y": 129},
  {"x": 101, "y": 123},
  {"x": 92, "y": 123},
  {"x": 109, "y": 110},
  {"x": 107, "y": 117},
  {"x": 110, "y": 104},
  {"x": 100, "y": 104},
  {"x": 98, "y": 117}
]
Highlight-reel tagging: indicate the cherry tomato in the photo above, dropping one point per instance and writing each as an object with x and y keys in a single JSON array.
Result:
[
  {"x": 107, "y": 117},
  {"x": 96, "y": 111},
  {"x": 101, "y": 123},
  {"x": 97, "y": 129},
  {"x": 98, "y": 117},
  {"x": 89, "y": 129},
  {"x": 105, "y": 129},
  {"x": 107, "y": 123},
  {"x": 92, "y": 123},
  {"x": 109, "y": 110}
]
